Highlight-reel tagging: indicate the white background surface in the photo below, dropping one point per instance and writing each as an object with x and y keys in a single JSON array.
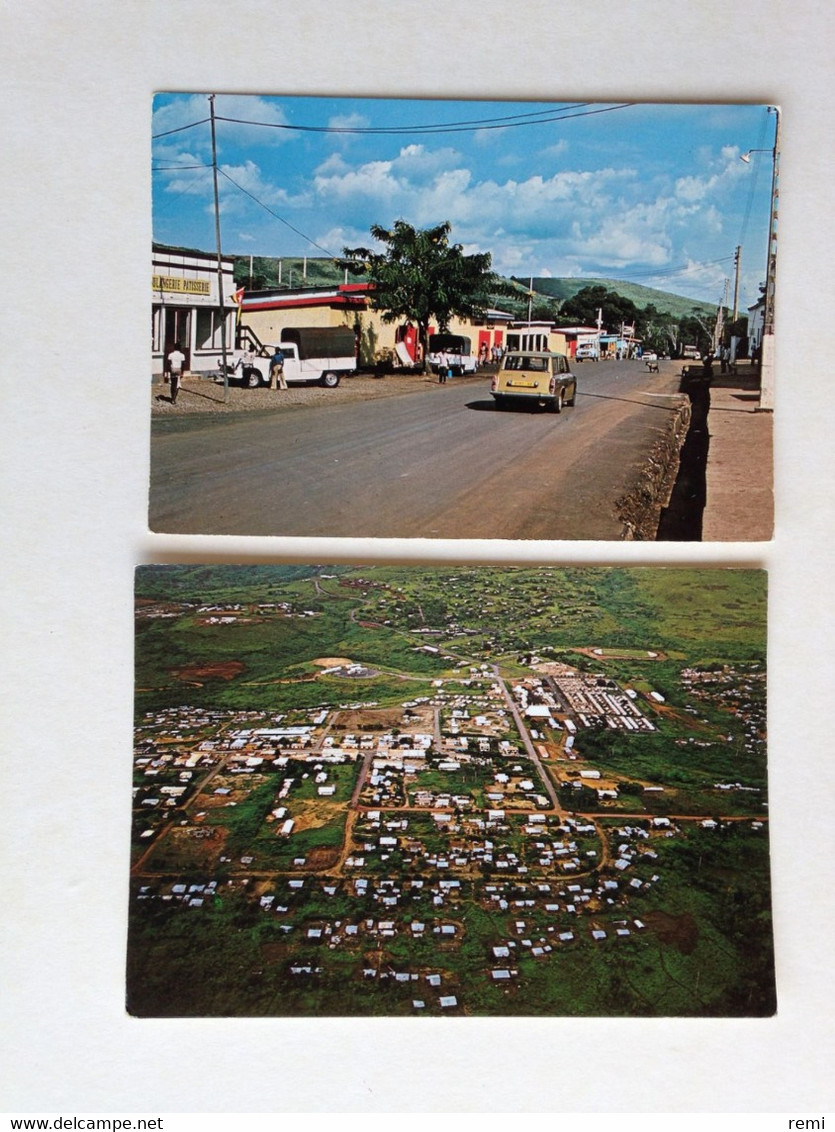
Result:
[{"x": 75, "y": 234}]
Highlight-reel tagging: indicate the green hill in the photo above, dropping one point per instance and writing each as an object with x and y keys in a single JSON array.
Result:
[
  {"x": 263, "y": 273},
  {"x": 565, "y": 288}
]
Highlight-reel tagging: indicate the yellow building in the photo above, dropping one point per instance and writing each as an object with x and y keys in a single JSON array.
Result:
[{"x": 266, "y": 313}]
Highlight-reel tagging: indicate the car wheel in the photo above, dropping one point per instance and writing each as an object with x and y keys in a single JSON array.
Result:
[
  {"x": 573, "y": 398},
  {"x": 252, "y": 379},
  {"x": 558, "y": 401},
  {"x": 330, "y": 380}
]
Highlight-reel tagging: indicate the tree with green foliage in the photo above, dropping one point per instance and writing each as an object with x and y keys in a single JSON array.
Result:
[
  {"x": 615, "y": 308},
  {"x": 422, "y": 278}
]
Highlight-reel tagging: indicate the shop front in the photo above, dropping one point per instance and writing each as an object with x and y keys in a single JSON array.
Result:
[{"x": 186, "y": 307}]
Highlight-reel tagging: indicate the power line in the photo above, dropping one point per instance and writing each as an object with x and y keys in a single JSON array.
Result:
[
  {"x": 531, "y": 118},
  {"x": 267, "y": 208},
  {"x": 171, "y": 194},
  {"x": 753, "y": 186},
  {"x": 179, "y": 129},
  {"x": 177, "y": 168},
  {"x": 450, "y": 128},
  {"x": 683, "y": 270}
]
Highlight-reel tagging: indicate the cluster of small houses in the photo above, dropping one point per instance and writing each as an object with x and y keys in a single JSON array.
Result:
[
  {"x": 595, "y": 701},
  {"x": 541, "y": 917},
  {"x": 740, "y": 688},
  {"x": 223, "y": 613},
  {"x": 541, "y": 876}
]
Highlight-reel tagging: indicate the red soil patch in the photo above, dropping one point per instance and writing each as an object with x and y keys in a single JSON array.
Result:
[
  {"x": 215, "y": 670},
  {"x": 680, "y": 931},
  {"x": 317, "y": 859}
]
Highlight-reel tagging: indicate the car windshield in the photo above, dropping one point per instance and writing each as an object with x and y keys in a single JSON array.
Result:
[{"x": 520, "y": 361}]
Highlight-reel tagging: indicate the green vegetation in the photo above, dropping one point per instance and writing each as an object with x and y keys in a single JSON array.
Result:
[
  {"x": 258, "y": 273},
  {"x": 422, "y": 278},
  {"x": 233, "y": 913},
  {"x": 564, "y": 289}
]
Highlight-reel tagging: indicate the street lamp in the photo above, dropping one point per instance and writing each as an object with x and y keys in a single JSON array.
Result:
[{"x": 767, "y": 346}]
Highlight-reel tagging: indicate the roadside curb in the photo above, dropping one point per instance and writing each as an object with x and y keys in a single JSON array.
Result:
[{"x": 641, "y": 508}]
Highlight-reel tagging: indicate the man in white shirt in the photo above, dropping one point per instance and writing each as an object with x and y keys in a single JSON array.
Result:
[{"x": 174, "y": 366}]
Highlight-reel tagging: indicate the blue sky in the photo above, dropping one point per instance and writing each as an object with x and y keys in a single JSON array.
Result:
[{"x": 653, "y": 193}]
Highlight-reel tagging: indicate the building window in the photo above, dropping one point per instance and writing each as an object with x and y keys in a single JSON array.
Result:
[{"x": 208, "y": 330}]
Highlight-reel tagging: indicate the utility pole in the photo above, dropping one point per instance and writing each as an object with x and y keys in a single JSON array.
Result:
[
  {"x": 219, "y": 258},
  {"x": 737, "y": 260},
  {"x": 719, "y": 328},
  {"x": 767, "y": 354}
]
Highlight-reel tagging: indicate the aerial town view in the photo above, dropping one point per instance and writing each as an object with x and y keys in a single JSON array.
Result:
[{"x": 405, "y": 791}]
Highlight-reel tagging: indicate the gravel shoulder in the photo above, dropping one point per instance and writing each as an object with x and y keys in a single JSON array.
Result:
[{"x": 199, "y": 395}]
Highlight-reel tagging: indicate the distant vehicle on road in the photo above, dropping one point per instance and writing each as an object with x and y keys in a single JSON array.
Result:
[
  {"x": 587, "y": 351},
  {"x": 649, "y": 356},
  {"x": 690, "y": 352},
  {"x": 543, "y": 379}
]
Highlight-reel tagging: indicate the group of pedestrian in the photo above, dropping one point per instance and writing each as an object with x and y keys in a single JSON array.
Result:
[
  {"x": 489, "y": 354},
  {"x": 277, "y": 378},
  {"x": 175, "y": 362}
]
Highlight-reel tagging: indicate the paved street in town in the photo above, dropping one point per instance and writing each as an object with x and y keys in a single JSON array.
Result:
[{"x": 438, "y": 461}]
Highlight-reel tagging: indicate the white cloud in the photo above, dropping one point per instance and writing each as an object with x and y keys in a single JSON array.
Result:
[
  {"x": 195, "y": 108},
  {"x": 691, "y": 188},
  {"x": 191, "y": 182},
  {"x": 491, "y": 136},
  {"x": 334, "y": 164},
  {"x": 348, "y": 122},
  {"x": 372, "y": 181},
  {"x": 180, "y": 113},
  {"x": 343, "y": 236},
  {"x": 248, "y": 177},
  {"x": 248, "y": 109}
]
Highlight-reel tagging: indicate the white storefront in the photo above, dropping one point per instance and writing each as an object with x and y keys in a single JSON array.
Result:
[{"x": 186, "y": 308}]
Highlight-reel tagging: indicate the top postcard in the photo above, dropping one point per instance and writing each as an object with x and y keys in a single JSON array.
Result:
[{"x": 395, "y": 318}]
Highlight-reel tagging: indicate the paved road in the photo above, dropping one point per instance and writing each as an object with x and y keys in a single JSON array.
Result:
[{"x": 440, "y": 462}]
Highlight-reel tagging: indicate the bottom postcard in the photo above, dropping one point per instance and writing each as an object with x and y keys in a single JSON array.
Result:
[{"x": 486, "y": 791}]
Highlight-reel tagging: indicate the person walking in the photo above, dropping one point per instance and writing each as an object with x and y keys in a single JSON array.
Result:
[
  {"x": 174, "y": 363},
  {"x": 277, "y": 378}
]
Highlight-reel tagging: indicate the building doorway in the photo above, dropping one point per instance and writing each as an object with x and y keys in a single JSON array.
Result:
[{"x": 178, "y": 332}]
